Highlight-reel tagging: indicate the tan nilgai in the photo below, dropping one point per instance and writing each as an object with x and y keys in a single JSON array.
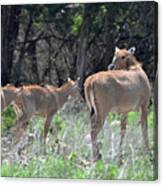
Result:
[
  {"x": 42, "y": 101},
  {"x": 126, "y": 88}
]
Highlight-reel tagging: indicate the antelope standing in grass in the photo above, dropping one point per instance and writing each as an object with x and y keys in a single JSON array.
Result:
[
  {"x": 8, "y": 95},
  {"x": 124, "y": 89},
  {"x": 42, "y": 101}
]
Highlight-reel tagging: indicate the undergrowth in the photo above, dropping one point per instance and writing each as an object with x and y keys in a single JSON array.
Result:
[{"x": 69, "y": 153}]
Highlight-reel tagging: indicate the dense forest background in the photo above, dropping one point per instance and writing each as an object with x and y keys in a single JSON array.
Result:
[{"x": 45, "y": 44}]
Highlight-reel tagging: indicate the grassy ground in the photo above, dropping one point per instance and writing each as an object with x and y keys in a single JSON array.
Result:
[{"x": 69, "y": 151}]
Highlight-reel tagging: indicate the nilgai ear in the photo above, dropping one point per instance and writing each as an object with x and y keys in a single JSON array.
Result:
[
  {"x": 68, "y": 79},
  {"x": 111, "y": 66},
  {"x": 116, "y": 49},
  {"x": 78, "y": 78},
  {"x": 132, "y": 50},
  {"x": 77, "y": 82}
]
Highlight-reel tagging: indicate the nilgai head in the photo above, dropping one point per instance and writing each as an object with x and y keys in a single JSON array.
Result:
[
  {"x": 123, "y": 59},
  {"x": 72, "y": 87}
]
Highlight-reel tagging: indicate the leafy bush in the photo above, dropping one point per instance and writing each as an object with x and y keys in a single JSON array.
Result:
[
  {"x": 151, "y": 117},
  {"x": 8, "y": 119},
  {"x": 133, "y": 118},
  {"x": 77, "y": 21}
]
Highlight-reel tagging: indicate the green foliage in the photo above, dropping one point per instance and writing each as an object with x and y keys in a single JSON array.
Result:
[
  {"x": 60, "y": 123},
  {"x": 113, "y": 116},
  {"x": 5, "y": 169},
  {"x": 104, "y": 9},
  {"x": 9, "y": 169},
  {"x": 133, "y": 118},
  {"x": 140, "y": 168},
  {"x": 151, "y": 117},
  {"x": 56, "y": 167},
  {"x": 74, "y": 161},
  {"x": 113, "y": 171},
  {"x": 36, "y": 124},
  {"x": 59, "y": 167},
  {"x": 98, "y": 170},
  {"x": 8, "y": 119},
  {"x": 73, "y": 156},
  {"x": 77, "y": 20},
  {"x": 98, "y": 18}
]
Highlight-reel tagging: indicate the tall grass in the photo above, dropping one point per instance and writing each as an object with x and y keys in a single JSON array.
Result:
[{"x": 69, "y": 152}]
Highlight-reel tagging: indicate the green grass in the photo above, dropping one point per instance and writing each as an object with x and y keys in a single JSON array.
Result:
[
  {"x": 133, "y": 118},
  {"x": 55, "y": 167},
  {"x": 8, "y": 119},
  {"x": 59, "y": 167},
  {"x": 70, "y": 156}
]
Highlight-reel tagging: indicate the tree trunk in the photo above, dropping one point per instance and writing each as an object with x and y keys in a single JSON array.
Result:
[
  {"x": 10, "y": 26},
  {"x": 34, "y": 77},
  {"x": 83, "y": 42},
  {"x": 23, "y": 50},
  {"x": 108, "y": 37}
]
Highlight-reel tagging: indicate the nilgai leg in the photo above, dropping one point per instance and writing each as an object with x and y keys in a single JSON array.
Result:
[
  {"x": 46, "y": 127},
  {"x": 96, "y": 125}
]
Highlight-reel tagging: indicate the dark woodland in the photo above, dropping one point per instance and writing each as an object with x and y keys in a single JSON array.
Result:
[{"x": 45, "y": 44}]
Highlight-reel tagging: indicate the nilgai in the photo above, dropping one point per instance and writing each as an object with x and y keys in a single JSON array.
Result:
[
  {"x": 123, "y": 89},
  {"x": 42, "y": 101}
]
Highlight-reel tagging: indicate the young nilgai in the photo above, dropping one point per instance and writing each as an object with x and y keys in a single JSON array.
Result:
[
  {"x": 123, "y": 89},
  {"x": 42, "y": 101}
]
